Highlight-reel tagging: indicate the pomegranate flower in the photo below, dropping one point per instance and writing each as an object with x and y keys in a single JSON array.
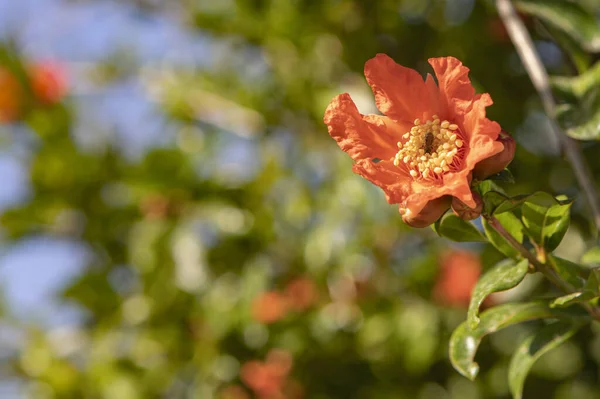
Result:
[{"x": 425, "y": 148}]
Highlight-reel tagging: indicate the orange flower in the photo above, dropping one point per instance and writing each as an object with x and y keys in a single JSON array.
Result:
[
  {"x": 48, "y": 82},
  {"x": 429, "y": 141},
  {"x": 459, "y": 273}
]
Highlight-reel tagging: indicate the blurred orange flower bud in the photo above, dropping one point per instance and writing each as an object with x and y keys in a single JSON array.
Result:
[
  {"x": 269, "y": 307},
  {"x": 154, "y": 206},
  {"x": 258, "y": 377},
  {"x": 429, "y": 214},
  {"x": 459, "y": 273},
  {"x": 10, "y": 96},
  {"x": 464, "y": 212},
  {"x": 234, "y": 392},
  {"x": 301, "y": 293},
  {"x": 498, "y": 162},
  {"x": 269, "y": 379},
  {"x": 279, "y": 361},
  {"x": 48, "y": 81}
]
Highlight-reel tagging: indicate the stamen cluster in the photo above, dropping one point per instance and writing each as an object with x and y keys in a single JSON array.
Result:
[{"x": 431, "y": 148}]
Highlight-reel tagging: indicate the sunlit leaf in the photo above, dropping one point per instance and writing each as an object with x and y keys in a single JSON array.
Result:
[
  {"x": 577, "y": 86},
  {"x": 503, "y": 276},
  {"x": 591, "y": 257},
  {"x": 574, "y": 298},
  {"x": 546, "y": 219},
  {"x": 534, "y": 346},
  {"x": 465, "y": 341}
]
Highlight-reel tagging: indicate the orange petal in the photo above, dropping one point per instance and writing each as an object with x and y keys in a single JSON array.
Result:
[
  {"x": 481, "y": 132},
  {"x": 456, "y": 90},
  {"x": 400, "y": 92},
  {"x": 362, "y": 137},
  {"x": 429, "y": 214},
  {"x": 436, "y": 107},
  {"x": 394, "y": 180}
]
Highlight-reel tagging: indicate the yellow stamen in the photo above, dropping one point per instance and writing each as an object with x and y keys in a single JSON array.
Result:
[{"x": 429, "y": 148}]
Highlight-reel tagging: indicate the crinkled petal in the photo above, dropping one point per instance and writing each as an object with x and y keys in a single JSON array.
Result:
[
  {"x": 456, "y": 184},
  {"x": 400, "y": 92},
  {"x": 456, "y": 90},
  {"x": 436, "y": 106},
  {"x": 481, "y": 132},
  {"x": 395, "y": 181},
  {"x": 362, "y": 136}
]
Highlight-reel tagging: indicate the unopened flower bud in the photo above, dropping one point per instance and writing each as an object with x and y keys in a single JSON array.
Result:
[
  {"x": 430, "y": 213},
  {"x": 463, "y": 211},
  {"x": 498, "y": 162}
]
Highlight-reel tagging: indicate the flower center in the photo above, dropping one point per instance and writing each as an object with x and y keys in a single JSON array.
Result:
[{"x": 431, "y": 148}]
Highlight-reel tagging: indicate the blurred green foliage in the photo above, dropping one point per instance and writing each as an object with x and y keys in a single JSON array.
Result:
[{"x": 186, "y": 237}]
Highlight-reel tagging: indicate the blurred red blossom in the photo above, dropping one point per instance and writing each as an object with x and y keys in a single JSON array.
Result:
[
  {"x": 11, "y": 96},
  {"x": 459, "y": 271},
  {"x": 269, "y": 307},
  {"x": 269, "y": 379},
  {"x": 301, "y": 293},
  {"x": 48, "y": 81}
]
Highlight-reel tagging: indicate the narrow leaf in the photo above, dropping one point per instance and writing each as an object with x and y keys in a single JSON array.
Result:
[
  {"x": 503, "y": 276},
  {"x": 464, "y": 341},
  {"x": 571, "y": 299},
  {"x": 534, "y": 346}
]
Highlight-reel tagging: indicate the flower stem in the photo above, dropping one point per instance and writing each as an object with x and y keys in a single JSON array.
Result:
[
  {"x": 539, "y": 77},
  {"x": 538, "y": 266}
]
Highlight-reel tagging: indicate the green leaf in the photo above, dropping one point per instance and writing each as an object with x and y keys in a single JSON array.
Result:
[
  {"x": 503, "y": 276},
  {"x": 579, "y": 57},
  {"x": 570, "y": 17},
  {"x": 578, "y": 86},
  {"x": 593, "y": 281},
  {"x": 513, "y": 225},
  {"x": 571, "y": 272},
  {"x": 456, "y": 229},
  {"x": 546, "y": 219},
  {"x": 488, "y": 185},
  {"x": 588, "y": 130},
  {"x": 571, "y": 299},
  {"x": 504, "y": 176},
  {"x": 465, "y": 341},
  {"x": 534, "y": 346},
  {"x": 495, "y": 202},
  {"x": 591, "y": 257}
]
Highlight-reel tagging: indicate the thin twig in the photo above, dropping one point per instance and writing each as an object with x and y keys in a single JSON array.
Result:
[
  {"x": 547, "y": 270},
  {"x": 531, "y": 60}
]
